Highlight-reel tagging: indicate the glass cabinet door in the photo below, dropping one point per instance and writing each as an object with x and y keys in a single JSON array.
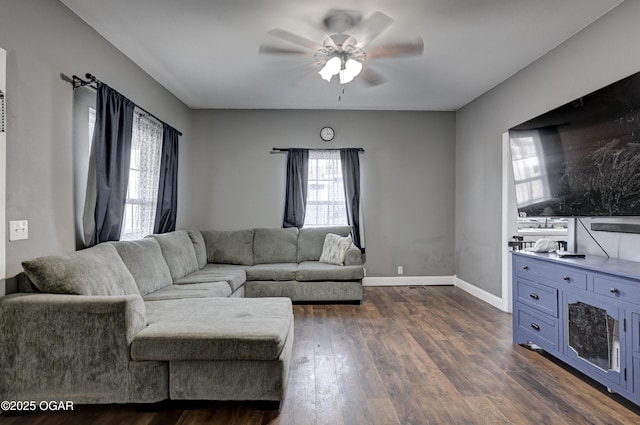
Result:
[{"x": 593, "y": 337}]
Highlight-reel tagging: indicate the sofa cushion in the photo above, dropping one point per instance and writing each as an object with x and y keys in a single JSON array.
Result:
[
  {"x": 25, "y": 285},
  {"x": 275, "y": 246},
  {"x": 316, "y": 271},
  {"x": 353, "y": 256},
  {"x": 98, "y": 270},
  {"x": 144, "y": 260},
  {"x": 214, "y": 329},
  {"x": 194, "y": 290},
  {"x": 334, "y": 249},
  {"x": 311, "y": 241},
  {"x": 278, "y": 271},
  {"x": 234, "y": 277},
  {"x": 178, "y": 252},
  {"x": 229, "y": 247},
  {"x": 199, "y": 246}
]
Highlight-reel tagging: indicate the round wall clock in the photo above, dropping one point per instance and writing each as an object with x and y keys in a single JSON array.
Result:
[{"x": 327, "y": 134}]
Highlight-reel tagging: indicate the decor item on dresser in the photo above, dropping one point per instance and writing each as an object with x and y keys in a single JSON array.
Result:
[{"x": 585, "y": 312}]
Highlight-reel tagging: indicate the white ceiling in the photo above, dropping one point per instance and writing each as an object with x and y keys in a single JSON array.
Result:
[{"x": 206, "y": 51}]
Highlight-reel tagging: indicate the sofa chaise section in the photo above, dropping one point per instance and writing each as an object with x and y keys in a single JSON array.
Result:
[{"x": 228, "y": 349}]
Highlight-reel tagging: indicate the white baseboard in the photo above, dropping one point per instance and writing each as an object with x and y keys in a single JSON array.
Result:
[
  {"x": 481, "y": 294},
  {"x": 408, "y": 281}
]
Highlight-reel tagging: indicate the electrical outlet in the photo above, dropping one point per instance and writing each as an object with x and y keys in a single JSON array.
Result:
[
  {"x": 18, "y": 230},
  {"x": 400, "y": 270}
]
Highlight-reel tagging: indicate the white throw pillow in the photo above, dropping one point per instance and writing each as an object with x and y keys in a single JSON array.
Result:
[{"x": 334, "y": 249}]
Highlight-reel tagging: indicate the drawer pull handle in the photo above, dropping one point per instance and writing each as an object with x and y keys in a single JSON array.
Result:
[
  {"x": 536, "y": 327},
  {"x": 614, "y": 290},
  {"x": 566, "y": 278},
  {"x": 525, "y": 267},
  {"x": 534, "y": 296}
]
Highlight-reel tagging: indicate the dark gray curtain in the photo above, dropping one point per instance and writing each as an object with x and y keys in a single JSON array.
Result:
[
  {"x": 168, "y": 186},
  {"x": 296, "y": 188},
  {"x": 111, "y": 150},
  {"x": 350, "y": 161}
]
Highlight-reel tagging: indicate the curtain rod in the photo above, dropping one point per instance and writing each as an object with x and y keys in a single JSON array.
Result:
[
  {"x": 281, "y": 150},
  {"x": 93, "y": 83}
]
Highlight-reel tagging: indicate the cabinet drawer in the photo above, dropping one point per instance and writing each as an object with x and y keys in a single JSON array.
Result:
[
  {"x": 624, "y": 290},
  {"x": 538, "y": 329},
  {"x": 536, "y": 270},
  {"x": 527, "y": 268},
  {"x": 565, "y": 276},
  {"x": 540, "y": 297}
]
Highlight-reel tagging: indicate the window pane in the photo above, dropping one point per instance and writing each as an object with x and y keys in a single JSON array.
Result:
[
  {"x": 144, "y": 174},
  {"x": 325, "y": 190}
]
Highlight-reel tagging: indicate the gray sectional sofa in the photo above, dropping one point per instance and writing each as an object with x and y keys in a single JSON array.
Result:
[{"x": 165, "y": 317}]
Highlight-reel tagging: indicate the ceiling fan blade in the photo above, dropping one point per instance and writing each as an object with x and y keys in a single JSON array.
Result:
[
  {"x": 273, "y": 50},
  {"x": 372, "y": 27},
  {"x": 371, "y": 78},
  {"x": 296, "y": 39},
  {"x": 412, "y": 48}
]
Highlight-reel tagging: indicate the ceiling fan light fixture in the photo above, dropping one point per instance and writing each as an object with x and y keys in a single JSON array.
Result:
[
  {"x": 351, "y": 70},
  {"x": 331, "y": 68}
]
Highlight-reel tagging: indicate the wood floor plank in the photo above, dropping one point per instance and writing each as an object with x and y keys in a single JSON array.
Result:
[{"x": 406, "y": 355}]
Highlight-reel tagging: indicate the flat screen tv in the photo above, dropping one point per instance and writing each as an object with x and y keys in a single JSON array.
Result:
[{"x": 583, "y": 158}]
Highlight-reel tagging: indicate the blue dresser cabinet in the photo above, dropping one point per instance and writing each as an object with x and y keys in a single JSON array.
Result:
[{"x": 585, "y": 312}]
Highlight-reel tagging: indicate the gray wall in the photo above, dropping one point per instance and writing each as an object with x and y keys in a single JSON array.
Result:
[
  {"x": 43, "y": 40},
  {"x": 407, "y": 177},
  {"x": 602, "y": 53}
]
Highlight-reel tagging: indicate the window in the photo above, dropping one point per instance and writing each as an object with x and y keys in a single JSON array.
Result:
[
  {"x": 144, "y": 174},
  {"x": 325, "y": 190}
]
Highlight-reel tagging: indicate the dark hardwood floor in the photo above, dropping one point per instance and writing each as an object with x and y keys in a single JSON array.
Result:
[{"x": 407, "y": 355}]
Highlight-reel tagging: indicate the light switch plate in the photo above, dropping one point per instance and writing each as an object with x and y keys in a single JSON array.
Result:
[{"x": 18, "y": 230}]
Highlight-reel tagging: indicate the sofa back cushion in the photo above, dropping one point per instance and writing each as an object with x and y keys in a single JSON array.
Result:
[
  {"x": 98, "y": 270},
  {"x": 311, "y": 241},
  {"x": 199, "y": 246},
  {"x": 179, "y": 253},
  {"x": 144, "y": 260},
  {"x": 229, "y": 247},
  {"x": 275, "y": 246}
]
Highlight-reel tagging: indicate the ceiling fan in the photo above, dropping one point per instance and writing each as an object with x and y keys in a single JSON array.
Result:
[{"x": 345, "y": 49}]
